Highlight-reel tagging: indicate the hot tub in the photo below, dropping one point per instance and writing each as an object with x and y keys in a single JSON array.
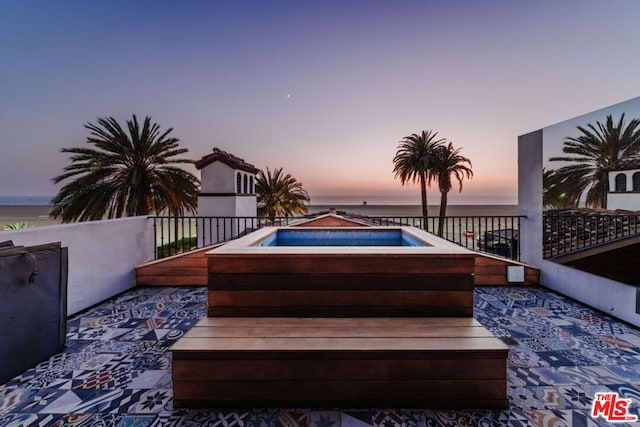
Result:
[
  {"x": 340, "y": 271},
  {"x": 340, "y": 237}
]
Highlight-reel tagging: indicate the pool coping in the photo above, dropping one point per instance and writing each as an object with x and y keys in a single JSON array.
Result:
[{"x": 245, "y": 245}]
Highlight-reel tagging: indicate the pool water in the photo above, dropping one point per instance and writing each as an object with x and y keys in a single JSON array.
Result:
[{"x": 324, "y": 237}]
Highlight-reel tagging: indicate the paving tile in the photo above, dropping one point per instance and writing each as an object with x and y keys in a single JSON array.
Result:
[
  {"x": 27, "y": 420},
  {"x": 324, "y": 419},
  {"x": 386, "y": 419},
  {"x": 440, "y": 418},
  {"x": 301, "y": 419},
  {"x": 630, "y": 373},
  {"x": 116, "y": 368},
  {"x": 548, "y": 418}
]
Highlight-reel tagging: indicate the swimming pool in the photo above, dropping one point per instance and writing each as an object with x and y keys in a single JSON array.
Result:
[
  {"x": 312, "y": 272},
  {"x": 340, "y": 237}
]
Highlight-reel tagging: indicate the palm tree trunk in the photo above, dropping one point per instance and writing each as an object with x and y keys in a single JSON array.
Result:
[
  {"x": 423, "y": 191},
  {"x": 605, "y": 188},
  {"x": 443, "y": 212}
]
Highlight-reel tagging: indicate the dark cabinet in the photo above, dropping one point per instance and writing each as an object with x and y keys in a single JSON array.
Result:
[{"x": 33, "y": 305}]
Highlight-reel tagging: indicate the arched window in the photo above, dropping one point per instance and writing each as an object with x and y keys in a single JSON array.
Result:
[
  {"x": 251, "y": 185},
  {"x": 636, "y": 181},
  {"x": 238, "y": 183},
  {"x": 621, "y": 183},
  {"x": 246, "y": 184}
]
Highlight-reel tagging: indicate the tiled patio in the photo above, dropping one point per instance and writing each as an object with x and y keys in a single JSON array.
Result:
[{"x": 116, "y": 368}]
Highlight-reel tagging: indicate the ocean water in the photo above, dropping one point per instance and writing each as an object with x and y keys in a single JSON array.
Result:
[
  {"x": 25, "y": 201},
  {"x": 406, "y": 200},
  {"x": 402, "y": 200},
  {"x": 403, "y": 205},
  {"x": 35, "y": 209},
  {"x": 416, "y": 210}
]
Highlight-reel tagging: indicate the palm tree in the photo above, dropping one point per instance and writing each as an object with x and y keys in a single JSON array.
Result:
[
  {"x": 591, "y": 155},
  {"x": 16, "y": 226},
  {"x": 280, "y": 194},
  {"x": 127, "y": 172},
  {"x": 558, "y": 190},
  {"x": 413, "y": 161},
  {"x": 448, "y": 163}
]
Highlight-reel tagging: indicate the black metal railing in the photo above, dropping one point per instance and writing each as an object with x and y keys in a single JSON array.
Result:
[
  {"x": 174, "y": 235},
  {"x": 572, "y": 231},
  {"x": 497, "y": 235}
]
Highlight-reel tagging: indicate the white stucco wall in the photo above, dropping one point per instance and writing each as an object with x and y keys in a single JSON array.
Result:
[
  {"x": 247, "y": 206},
  {"x": 219, "y": 196},
  {"x": 217, "y": 205},
  {"x": 218, "y": 178},
  {"x": 227, "y": 206},
  {"x": 624, "y": 201},
  {"x": 629, "y": 200},
  {"x": 102, "y": 255},
  {"x": 530, "y": 196},
  {"x": 615, "y": 298}
]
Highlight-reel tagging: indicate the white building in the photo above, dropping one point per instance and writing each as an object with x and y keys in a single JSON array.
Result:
[
  {"x": 624, "y": 184},
  {"x": 227, "y": 190}
]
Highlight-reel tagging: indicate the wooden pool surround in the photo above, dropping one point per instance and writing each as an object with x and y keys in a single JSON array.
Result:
[{"x": 340, "y": 327}]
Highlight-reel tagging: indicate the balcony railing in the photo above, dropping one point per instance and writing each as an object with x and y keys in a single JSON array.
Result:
[
  {"x": 174, "y": 235},
  {"x": 497, "y": 235},
  {"x": 568, "y": 232}
]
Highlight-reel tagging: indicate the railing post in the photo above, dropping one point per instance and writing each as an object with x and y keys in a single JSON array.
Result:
[
  {"x": 162, "y": 236},
  {"x": 155, "y": 238}
]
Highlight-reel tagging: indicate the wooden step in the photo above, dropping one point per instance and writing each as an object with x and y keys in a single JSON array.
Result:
[
  {"x": 492, "y": 271},
  {"x": 188, "y": 269},
  {"x": 331, "y": 362},
  {"x": 335, "y": 285}
]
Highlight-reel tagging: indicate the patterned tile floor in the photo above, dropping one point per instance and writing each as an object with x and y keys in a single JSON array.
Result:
[{"x": 115, "y": 370}]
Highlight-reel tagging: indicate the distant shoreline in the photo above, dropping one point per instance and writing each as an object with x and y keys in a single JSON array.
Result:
[
  {"x": 38, "y": 215},
  {"x": 33, "y": 215},
  {"x": 416, "y": 210}
]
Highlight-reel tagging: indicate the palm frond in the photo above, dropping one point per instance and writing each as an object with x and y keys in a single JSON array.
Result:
[
  {"x": 590, "y": 154},
  {"x": 280, "y": 194},
  {"x": 126, "y": 172},
  {"x": 414, "y": 158}
]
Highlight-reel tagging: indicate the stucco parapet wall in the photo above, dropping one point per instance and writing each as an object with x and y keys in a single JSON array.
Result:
[
  {"x": 245, "y": 245},
  {"x": 102, "y": 254}
]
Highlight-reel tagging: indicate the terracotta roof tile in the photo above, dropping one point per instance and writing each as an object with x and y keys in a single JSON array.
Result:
[
  {"x": 228, "y": 159},
  {"x": 626, "y": 163}
]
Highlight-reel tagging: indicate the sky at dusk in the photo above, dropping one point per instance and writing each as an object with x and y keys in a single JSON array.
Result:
[{"x": 324, "y": 89}]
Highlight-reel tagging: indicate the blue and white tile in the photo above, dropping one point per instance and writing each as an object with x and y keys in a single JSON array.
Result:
[
  {"x": 151, "y": 401},
  {"x": 631, "y": 373},
  {"x": 578, "y": 396},
  {"x": 325, "y": 419},
  {"x": 589, "y": 375},
  {"x": 547, "y": 418},
  {"x": 27, "y": 420},
  {"x": 387, "y": 419},
  {"x": 525, "y": 377},
  {"x": 551, "y": 373},
  {"x": 613, "y": 356}
]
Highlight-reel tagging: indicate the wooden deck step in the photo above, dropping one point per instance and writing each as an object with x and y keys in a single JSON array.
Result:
[
  {"x": 334, "y": 285},
  {"x": 188, "y": 269},
  {"x": 492, "y": 271},
  {"x": 340, "y": 362}
]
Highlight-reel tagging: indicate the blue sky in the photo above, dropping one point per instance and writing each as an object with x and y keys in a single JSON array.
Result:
[{"x": 324, "y": 89}]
